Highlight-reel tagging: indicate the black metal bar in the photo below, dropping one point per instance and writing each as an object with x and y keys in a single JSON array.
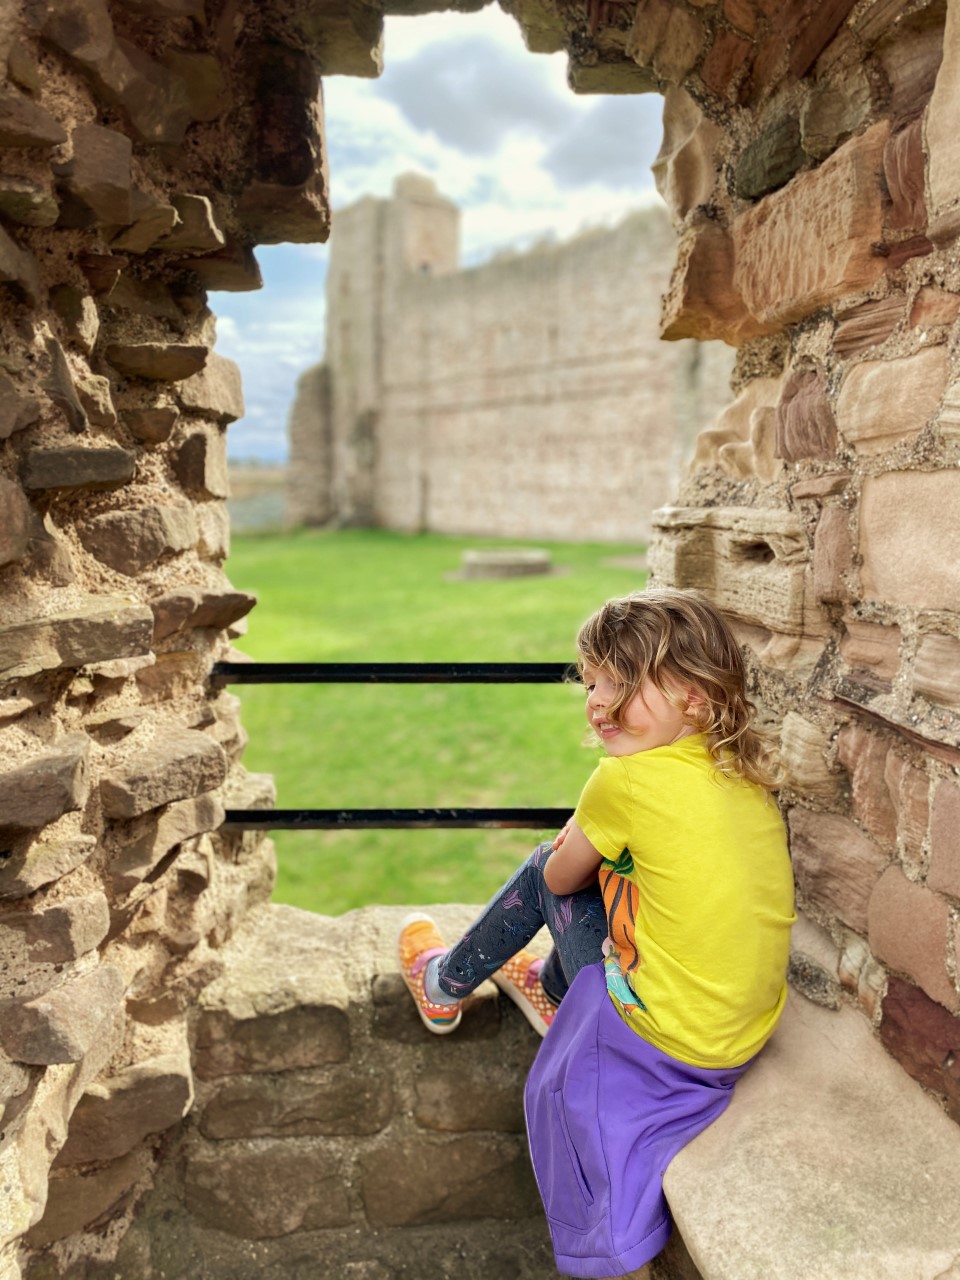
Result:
[
  {"x": 357, "y": 819},
  {"x": 393, "y": 672}
]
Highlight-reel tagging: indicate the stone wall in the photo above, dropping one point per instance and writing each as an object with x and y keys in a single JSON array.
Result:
[
  {"x": 810, "y": 162},
  {"x": 475, "y": 401}
]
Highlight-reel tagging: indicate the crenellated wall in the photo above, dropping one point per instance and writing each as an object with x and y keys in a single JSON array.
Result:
[{"x": 811, "y": 164}]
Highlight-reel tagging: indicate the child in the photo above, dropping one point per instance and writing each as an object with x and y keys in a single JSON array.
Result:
[{"x": 669, "y": 898}]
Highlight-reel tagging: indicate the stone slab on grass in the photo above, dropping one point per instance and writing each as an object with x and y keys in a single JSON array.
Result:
[{"x": 830, "y": 1164}]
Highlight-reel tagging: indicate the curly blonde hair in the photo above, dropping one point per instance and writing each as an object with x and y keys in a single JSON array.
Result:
[{"x": 674, "y": 636}]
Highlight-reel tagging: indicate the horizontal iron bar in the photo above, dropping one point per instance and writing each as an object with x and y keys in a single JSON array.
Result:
[
  {"x": 393, "y": 672},
  {"x": 348, "y": 819}
]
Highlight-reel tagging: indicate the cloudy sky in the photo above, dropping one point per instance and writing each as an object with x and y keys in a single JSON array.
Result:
[{"x": 463, "y": 101}]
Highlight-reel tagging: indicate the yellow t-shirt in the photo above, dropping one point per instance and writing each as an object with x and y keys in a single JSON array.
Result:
[{"x": 698, "y": 887}]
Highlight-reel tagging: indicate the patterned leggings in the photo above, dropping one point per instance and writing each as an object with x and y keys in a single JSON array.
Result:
[{"x": 577, "y": 924}]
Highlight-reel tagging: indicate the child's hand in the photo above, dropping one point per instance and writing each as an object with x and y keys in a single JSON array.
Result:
[{"x": 561, "y": 835}]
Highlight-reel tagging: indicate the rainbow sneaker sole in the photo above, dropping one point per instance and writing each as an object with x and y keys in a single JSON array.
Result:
[{"x": 419, "y": 942}]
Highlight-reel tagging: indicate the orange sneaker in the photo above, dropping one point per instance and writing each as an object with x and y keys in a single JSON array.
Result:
[
  {"x": 519, "y": 979},
  {"x": 419, "y": 942}
]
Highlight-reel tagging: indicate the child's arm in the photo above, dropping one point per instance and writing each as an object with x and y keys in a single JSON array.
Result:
[{"x": 574, "y": 862}]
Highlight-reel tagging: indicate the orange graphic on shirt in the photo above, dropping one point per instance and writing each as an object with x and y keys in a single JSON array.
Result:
[{"x": 620, "y": 898}]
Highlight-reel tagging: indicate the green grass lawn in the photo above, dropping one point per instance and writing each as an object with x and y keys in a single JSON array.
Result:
[{"x": 374, "y": 596}]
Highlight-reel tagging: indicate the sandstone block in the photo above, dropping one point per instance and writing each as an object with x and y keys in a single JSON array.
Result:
[
  {"x": 203, "y": 78},
  {"x": 77, "y": 468},
  {"x": 903, "y": 168},
  {"x": 823, "y": 22},
  {"x": 78, "y": 314},
  {"x": 457, "y": 1101},
  {"x": 200, "y": 464},
  {"x": 803, "y": 748},
  {"x": 833, "y": 112},
  {"x": 724, "y": 61},
  {"x": 944, "y": 874},
  {"x": 14, "y": 523},
  {"x": 51, "y": 784},
  {"x": 941, "y": 139},
  {"x": 18, "y": 268},
  {"x": 151, "y": 426},
  {"x": 115, "y": 1114},
  {"x": 61, "y": 1025},
  {"x": 95, "y": 395},
  {"x": 811, "y": 243},
  {"x": 132, "y": 540},
  {"x": 60, "y": 387},
  {"x": 770, "y": 160},
  {"x": 101, "y": 269},
  {"x": 665, "y": 39},
  {"x": 150, "y": 219},
  {"x": 17, "y": 410},
  {"x": 194, "y": 607},
  {"x": 146, "y": 848},
  {"x": 742, "y": 442},
  {"x": 213, "y": 522},
  {"x": 59, "y": 933},
  {"x": 863, "y": 754},
  {"x": 924, "y": 1039},
  {"x": 684, "y": 169},
  {"x": 300, "y": 1106},
  {"x": 395, "y": 1018},
  {"x": 308, "y": 1036},
  {"x": 882, "y": 402},
  {"x": 97, "y": 629},
  {"x": 474, "y": 1176},
  {"x": 197, "y": 227},
  {"x": 24, "y": 123},
  {"x": 910, "y": 791},
  {"x": 870, "y": 647},
  {"x": 936, "y": 670},
  {"x": 911, "y": 62},
  {"x": 28, "y": 203},
  {"x": 157, "y": 361},
  {"x": 89, "y": 1200},
  {"x": 836, "y": 865},
  {"x": 216, "y": 390},
  {"x": 31, "y": 867},
  {"x": 179, "y": 763},
  {"x": 909, "y": 929},
  {"x": 814, "y": 963},
  {"x": 868, "y": 324},
  {"x": 832, "y": 555},
  {"x": 704, "y": 300},
  {"x": 233, "y": 269},
  {"x": 98, "y": 176},
  {"x": 910, "y": 538},
  {"x": 934, "y": 306},
  {"x": 805, "y": 425},
  {"x": 256, "y": 1191}
]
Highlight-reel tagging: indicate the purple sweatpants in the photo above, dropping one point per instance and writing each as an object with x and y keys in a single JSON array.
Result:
[{"x": 606, "y": 1113}]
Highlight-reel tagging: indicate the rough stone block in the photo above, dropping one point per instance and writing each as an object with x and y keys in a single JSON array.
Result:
[
  {"x": 77, "y": 468},
  {"x": 910, "y": 538},
  {"x": 666, "y": 39},
  {"x": 78, "y": 315},
  {"x": 179, "y": 763},
  {"x": 216, "y": 390},
  {"x": 151, "y": 426},
  {"x": 24, "y": 123},
  {"x": 803, "y": 748},
  {"x": 472, "y": 1176},
  {"x": 203, "y": 77},
  {"x": 90, "y": 1200},
  {"x": 882, "y": 402},
  {"x": 17, "y": 410},
  {"x": 395, "y": 1018},
  {"x": 924, "y": 1039},
  {"x": 823, "y": 486},
  {"x": 814, "y": 963},
  {"x": 910, "y": 929},
  {"x": 903, "y": 168},
  {"x": 213, "y": 523},
  {"x": 61, "y": 1025},
  {"x": 115, "y": 1114},
  {"x": 157, "y": 361},
  {"x": 833, "y": 112},
  {"x": 56, "y": 934},
  {"x": 742, "y": 442},
  {"x": 29, "y": 868},
  {"x": 936, "y": 669},
  {"x": 97, "y": 629},
  {"x": 15, "y": 523},
  {"x": 307, "y": 1036},
  {"x": 234, "y": 269},
  {"x": 868, "y": 324},
  {"x": 684, "y": 169},
  {"x": 836, "y": 865},
  {"x": 194, "y": 607},
  {"x": 200, "y": 464},
  {"x": 725, "y": 60},
  {"x": 458, "y": 1101},
  {"x": 942, "y": 139},
  {"x": 832, "y": 556},
  {"x": 770, "y": 160},
  {"x": 944, "y": 874},
  {"x": 811, "y": 243},
  {"x": 150, "y": 219},
  {"x": 148, "y": 846},
  {"x": 28, "y": 203},
  {"x": 805, "y": 425},
  {"x": 132, "y": 540},
  {"x": 49, "y": 785},
  {"x": 266, "y": 1189},
  {"x": 18, "y": 268},
  {"x": 871, "y": 647},
  {"x": 863, "y": 754},
  {"x": 98, "y": 175},
  {"x": 336, "y": 1101},
  {"x": 197, "y": 227},
  {"x": 934, "y": 306},
  {"x": 704, "y": 300}
]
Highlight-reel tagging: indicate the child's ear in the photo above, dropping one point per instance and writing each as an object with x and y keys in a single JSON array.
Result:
[{"x": 696, "y": 700}]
